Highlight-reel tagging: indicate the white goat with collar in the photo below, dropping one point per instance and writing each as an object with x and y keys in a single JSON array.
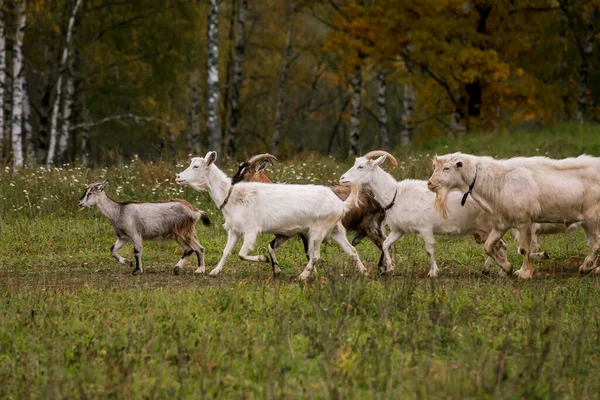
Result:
[
  {"x": 410, "y": 209},
  {"x": 255, "y": 208},
  {"x": 521, "y": 191}
]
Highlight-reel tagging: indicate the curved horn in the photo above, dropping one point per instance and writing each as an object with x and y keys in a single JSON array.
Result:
[
  {"x": 259, "y": 157},
  {"x": 374, "y": 153}
]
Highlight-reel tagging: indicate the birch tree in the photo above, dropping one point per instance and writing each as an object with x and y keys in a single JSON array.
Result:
[
  {"x": 382, "y": 117},
  {"x": 17, "y": 95},
  {"x": 280, "y": 102},
  {"x": 58, "y": 88},
  {"x": 213, "y": 122},
  {"x": 63, "y": 141},
  {"x": 27, "y": 132},
  {"x": 2, "y": 77},
  {"x": 356, "y": 81},
  {"x": 238, "y": 68}
]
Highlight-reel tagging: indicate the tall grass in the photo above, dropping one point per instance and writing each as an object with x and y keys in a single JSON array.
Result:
[{"x": 75, "y": 324}]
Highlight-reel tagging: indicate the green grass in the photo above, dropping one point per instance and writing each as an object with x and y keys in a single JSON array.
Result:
[{"x": 75, "y": 324}]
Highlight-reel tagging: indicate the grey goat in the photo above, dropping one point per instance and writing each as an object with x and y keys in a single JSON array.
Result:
[{"x": 135, "y": 222}]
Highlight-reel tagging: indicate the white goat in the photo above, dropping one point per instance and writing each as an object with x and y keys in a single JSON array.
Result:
[
  {"x": 521, "y": 191},
  {"x": 254, "y": 208},
  {"x": 410, "y": 208},
  {"x": 135, "y": 222}
]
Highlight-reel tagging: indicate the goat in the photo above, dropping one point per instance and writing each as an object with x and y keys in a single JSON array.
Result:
[
  {"x": 410, "y": 208},
  {"x": 254, "y": 208},
  {"x": 135, "y": 222},
  {"x": 520, "y": 191},
  {"x": 366, "y": 219}
]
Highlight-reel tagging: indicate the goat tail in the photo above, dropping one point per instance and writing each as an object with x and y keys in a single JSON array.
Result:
[
  {"x": 204, "y": 218},
  {"x": 352, "y": 200}
]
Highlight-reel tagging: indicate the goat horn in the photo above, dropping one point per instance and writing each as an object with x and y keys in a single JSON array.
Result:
[
  {"x": 259, "y": 157},
  {"x": 374, "y": 153}
]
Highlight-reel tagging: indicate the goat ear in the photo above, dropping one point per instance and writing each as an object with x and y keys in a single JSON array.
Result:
[
  {"x": 459, "y": 164},
  {"x": 210, "y": 157},
  {"x": 263, "y": 165},
  {"x": 104, "y": 185},
  {"x": 379, "y": 160}
]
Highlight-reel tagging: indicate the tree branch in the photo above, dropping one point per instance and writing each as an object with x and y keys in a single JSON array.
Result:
[{"x": 118, "y": 118}]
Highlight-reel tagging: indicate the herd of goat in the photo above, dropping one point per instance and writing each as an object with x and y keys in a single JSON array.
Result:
[{"x": 466, "y": 195}]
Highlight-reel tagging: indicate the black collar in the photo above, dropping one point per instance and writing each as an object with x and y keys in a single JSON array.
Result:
[
  {"x": 226, "y": 198},
  {"x": 393, "y": 201},
  {"x": 464, "y": 199}
]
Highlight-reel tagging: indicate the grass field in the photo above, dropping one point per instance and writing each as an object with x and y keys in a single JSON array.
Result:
[{"x": 75, "y": 324}]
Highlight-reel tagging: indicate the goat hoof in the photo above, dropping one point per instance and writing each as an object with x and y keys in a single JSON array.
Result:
[
  {"x": 485, "y": 272},
  {"x": 176, "y": 271},
  {"x": 213, "y": 274},
  {"x": 200, "y": 271},
  {"x": 303, "y": 277},
  {"x": 546, "y": 256},
  {"x": 263, "y": 258},
  {"x": 136, "y": 271},
  {"x": 276, "y": 270}
]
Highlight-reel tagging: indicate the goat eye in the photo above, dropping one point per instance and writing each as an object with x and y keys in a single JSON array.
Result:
[
  {"x": 361, "y": 166},
  {"x": 446, "y": 169},
  {"x": 195, "y": 167}
]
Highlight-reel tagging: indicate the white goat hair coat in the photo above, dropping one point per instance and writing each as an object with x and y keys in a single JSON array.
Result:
[
  {"x": 413, "y": 211},
  {"x": 521, "y": 191},
  {"x": 254, "y": 208},
  {"x": 280, "y": 209}
]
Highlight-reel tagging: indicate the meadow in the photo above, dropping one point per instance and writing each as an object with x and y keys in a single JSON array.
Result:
[{"x": 75, "y": 324}]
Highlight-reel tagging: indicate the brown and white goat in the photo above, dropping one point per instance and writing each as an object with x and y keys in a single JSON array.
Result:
[
  {"x": 366, "y": 219},
  {"x": 135, "y": 222}
]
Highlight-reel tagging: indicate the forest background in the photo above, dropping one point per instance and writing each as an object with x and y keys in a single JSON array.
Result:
[{"x": 95, "y": 81}]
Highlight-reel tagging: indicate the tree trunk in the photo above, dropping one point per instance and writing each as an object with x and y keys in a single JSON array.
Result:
[
  {"x": 384, "y": 137},
  {"x": 356, "y": 81},
  {"x": 27, "y": 132},
  {"x": 2, "y": 78},
  {"x": 17, "y": 98},
  {"x": 564, "y": 72},
  {"x": 238, "y": 68},
  {"x": 58, "y": 90},
  {"x": 408, "y": 102},
  {"x": 85, "y": 134},
  {"x": 45, "y": 107},
  {"x": 213, "y": 122},
  {"x": 586, "y": 54},
  {"x": 195, "y": 113},
  {"x": 67, "y": 112},
  {"x": 280, "y": 102}
]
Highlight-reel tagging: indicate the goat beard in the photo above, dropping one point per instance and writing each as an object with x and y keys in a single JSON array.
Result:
[{"x": 441, "y": 202}]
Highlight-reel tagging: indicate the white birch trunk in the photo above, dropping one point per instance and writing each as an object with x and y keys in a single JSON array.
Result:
[
  {"x": 280, "y": 102},
  {"x": 584, "y": 67},
  {"x": 356, "y": 81},
  {"x": 384, "y": 137},
  {"x": 2, "y": 77},
  {"x": 238, "y": 68},
  {"x": 17, "y": 95},
  {"x": 58, "y": 88},
  {"x": 27, "y": 132},
  {"x": 195, "y": 113},
  {"x": 213, "y": 122},
  {"x": 63, "y": 140}
]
